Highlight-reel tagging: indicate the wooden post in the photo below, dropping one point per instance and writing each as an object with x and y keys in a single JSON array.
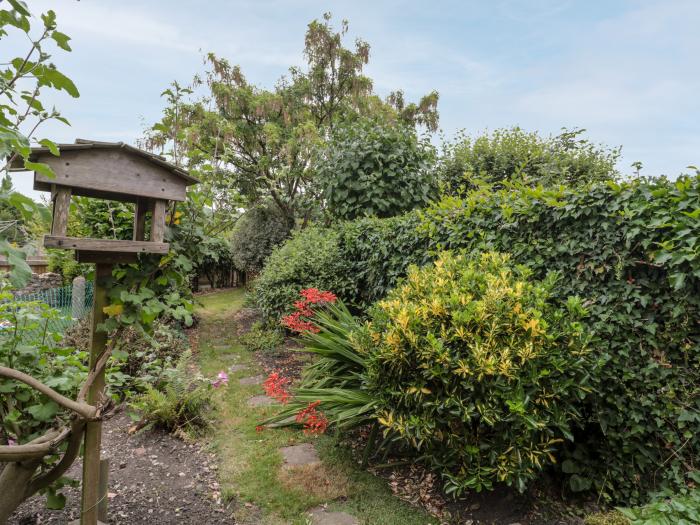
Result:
[
  {"x": 158, "y": 221},
  {"x": 104, "y": 491},
  {"x": 61, "y": 206},
  {"x": 140, "y": 210},
  {"x": 93, "y": 429}
]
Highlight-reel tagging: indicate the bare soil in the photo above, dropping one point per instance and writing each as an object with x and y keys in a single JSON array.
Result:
[{"x": 155, "y": 478}]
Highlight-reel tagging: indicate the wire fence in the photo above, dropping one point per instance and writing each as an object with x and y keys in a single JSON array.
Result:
[{"x": 73, "y": 302}]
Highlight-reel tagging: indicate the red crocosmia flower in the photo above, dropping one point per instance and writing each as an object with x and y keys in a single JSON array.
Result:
[
  {"x": 274, "y": 387},
  {"x": 314, "y": 421},
  {"x": 259, "y": 428},
  {"x": 298, "y": 321}
]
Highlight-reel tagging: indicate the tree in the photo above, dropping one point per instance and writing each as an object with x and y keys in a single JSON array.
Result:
[
  {"x": 255, "y": 235},
  {"x": 368, "y": 168},
  {"x": 260, "y": 144}
]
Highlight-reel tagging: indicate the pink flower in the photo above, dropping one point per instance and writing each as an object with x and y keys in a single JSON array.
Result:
[
  {"x": 221, "y": 379},
  {"x": 11, "y": 442}
]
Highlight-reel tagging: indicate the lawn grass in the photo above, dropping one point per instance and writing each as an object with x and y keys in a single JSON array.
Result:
[{"x": 249, "y": 461}]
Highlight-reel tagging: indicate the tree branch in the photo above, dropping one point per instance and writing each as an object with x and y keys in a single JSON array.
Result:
[{"x": 83, "y": 409}]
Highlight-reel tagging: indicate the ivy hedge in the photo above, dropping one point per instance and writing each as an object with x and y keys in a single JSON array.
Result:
[{"x": 631, "y": 250}]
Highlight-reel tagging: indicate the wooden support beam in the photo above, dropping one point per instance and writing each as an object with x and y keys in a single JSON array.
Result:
[
  {"x": 140, "y": 210},
  {"x": 105, "y": 245},
  {"x": 158, "y": 221},
  {"x": 93, "y": 429},
  {"x": 61, "y": 206}
]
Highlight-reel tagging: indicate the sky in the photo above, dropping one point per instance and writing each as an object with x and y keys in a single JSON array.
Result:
[{"x": 625, "y": 70}]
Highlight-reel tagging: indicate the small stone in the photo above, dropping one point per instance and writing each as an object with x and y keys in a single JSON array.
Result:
[
  {"x": 255, "y": 380},
  {"x": 139, "y": 451},
  {"x": 122, "y": 464},
  {"x": 260, "y": 401},
  {"x": 304, "y": 454},
  {"x": 474, "y": 506},
  {"x": 321, "y": 516}
]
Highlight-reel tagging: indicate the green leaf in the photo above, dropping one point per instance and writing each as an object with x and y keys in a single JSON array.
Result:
[
  {"x": 53, "y": 148},
  {"x": 44, "y": 412},
  {"x": 61, "y": 40},
  {"x": 54, "y": 500},
  {"x": 40, "y": 167}
]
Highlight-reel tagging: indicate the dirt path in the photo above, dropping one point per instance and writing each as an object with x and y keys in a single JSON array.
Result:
[{"x": 154, "y": 478}]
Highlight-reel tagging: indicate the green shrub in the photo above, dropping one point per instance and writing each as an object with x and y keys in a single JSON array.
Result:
[
  {"x": 677, "y": 510},
  {"x": 369, "y": 168},
  {"x": 261, "y": 339},
  {"x": 362, "y": 260},
  {"x": 63, "y": 262},
  {"x": 141, "y": 359},
  {"x": 376, "y": 253},
  {"x": 255, "y": 235},
  {"x": 516, "y": 155},
  {"x": 476, "y": 368},
  {"x": 310, "y": 259},
  {"x": 630, "y": 250},
  {"x": 179, "y": 404}
]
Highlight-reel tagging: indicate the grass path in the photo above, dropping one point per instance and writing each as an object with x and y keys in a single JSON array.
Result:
[{"x": 249, "y": 461}]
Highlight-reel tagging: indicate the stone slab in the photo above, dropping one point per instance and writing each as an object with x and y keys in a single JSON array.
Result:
[
  {"x": 321, "y": 516},
  {"x": 260, "y": 401},
  {"x": 304, "y": 454},
  {"x": 236, "y": 368},
  {"x": 255, "y": 380}
]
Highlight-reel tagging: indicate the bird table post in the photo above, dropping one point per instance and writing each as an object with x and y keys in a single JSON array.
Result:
[{"x": 119, "y": 172}]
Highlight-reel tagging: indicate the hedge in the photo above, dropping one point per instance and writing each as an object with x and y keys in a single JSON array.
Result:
[{"x": 632, "y": 251}]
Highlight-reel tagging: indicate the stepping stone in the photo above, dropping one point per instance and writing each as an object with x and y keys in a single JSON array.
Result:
[
  {"x": 221, "y": 347},
  {"x": 304, "y": 454},
  {"x": 236, "y": 368},
  {"x": 320, "y": 516},
  {"x": 260, "y": 401},
  {"x": 255, "y": 380}
]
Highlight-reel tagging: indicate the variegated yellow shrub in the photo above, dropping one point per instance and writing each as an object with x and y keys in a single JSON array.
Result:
[{"x": 474, "y": 367}]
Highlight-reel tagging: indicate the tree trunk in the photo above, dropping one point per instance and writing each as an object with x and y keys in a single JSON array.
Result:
[{"x": 14, "y": 480}]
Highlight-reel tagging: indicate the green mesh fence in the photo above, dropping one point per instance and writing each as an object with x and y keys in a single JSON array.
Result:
[{"x": 62, "y": 299}]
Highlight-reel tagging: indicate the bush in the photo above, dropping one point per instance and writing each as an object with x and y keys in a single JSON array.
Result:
[
  {"x": 627, "y": 248},
  {"x": 142, "y": 358},
  {"x": 63, "y": 262},
  {"x": 374, "y": 169},
  {"x": 362, "y": 261},
  {"x": 180, "y": 403},
  {"x": 310, "y": 259},
  {"x": 475, "y": 367},
  {"x": 261, "y": 339},
  {"x": 516, "y": 155},
  {"x": 257, "y": 232}
]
